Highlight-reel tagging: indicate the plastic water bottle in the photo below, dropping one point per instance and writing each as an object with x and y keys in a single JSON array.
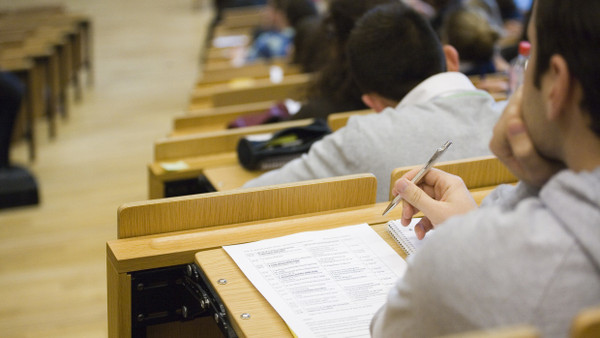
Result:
[{"x": 517, "y": 67}]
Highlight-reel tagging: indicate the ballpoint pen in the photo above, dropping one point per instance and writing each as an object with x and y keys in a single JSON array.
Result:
[{"x": 420, "y": 174}]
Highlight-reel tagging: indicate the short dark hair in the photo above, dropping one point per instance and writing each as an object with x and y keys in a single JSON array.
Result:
[
  {"x": 392, "y": 49},
  {"x": 571, "y": 29},
  {"x": 296, "y": 10}
]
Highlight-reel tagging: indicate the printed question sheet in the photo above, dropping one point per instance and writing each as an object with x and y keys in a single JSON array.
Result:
[{"x": 326, "y": 283}]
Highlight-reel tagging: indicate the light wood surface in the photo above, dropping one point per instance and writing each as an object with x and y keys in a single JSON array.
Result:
[
  {"x": 210, "y": 209},
  {"x": 240, "y": 296},
  {"x": 477, "y": 172},
  {"x": 229, "y": 177},
  {"x": 53, "y": 256},
  {"x": 519, "y": 331},
  {"x": 339, "y": 120},
  {"x": 292, "y": 87},
  {"x": 586, "y": 324},
  {"x": 199, "y": 151},
  {"x": 176, "y": 248},
  {"x": 258, "y": 70},
  {"x": 218, "y": 141},
  {"x": 215, "y": 217},
  {"x": 217, "y": 118}
]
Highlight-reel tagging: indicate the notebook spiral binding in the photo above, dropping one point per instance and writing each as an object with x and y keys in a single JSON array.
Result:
[{"x": 393, "y": 229}]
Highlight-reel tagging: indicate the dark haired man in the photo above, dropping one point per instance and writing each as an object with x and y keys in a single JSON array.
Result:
[
  {"x": 530, "y": 254},
  {"x": 398, "y": 62}
]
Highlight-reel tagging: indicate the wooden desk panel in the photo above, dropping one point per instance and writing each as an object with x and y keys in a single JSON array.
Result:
[
  {"x": 240, "y": 296},
  {"x": 125, "y": 256},
  {"x": 229, "y": 177}
]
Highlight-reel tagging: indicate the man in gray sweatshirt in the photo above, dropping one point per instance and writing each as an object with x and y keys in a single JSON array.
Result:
[
  {"x": 530, "y": 254},
  {"x": 399, "y": 64}
]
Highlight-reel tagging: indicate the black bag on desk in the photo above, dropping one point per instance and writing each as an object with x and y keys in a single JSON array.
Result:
[{"x": 270, "y": 151}]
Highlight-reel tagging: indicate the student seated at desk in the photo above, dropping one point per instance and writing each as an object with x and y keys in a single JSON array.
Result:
[
  {"x": 333, "y": 89},
  {"x": 276, "y": 40},
  {"x": 530, "y": 254},
  {"x": 400, "y": 66},
  {"x": 475, "y": 37}
]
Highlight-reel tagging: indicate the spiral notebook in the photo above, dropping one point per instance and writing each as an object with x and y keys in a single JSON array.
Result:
[{"x": 405, "y": 235}]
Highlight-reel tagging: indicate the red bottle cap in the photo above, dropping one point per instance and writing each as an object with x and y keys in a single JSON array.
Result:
[{"x": 524, "y": 48}]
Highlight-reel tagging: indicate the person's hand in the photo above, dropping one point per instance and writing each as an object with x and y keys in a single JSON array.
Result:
[
  {"x": 513, "y": 146},
  {"x": 439, "y": 196}
]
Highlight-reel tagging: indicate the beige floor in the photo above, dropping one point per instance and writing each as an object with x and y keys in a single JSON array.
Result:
[{"x": 52, "y": 257}]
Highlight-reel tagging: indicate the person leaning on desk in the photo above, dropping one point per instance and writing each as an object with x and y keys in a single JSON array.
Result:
[
  {"x": 412, "y": 81},
  {"x": 530, "y": 254}
]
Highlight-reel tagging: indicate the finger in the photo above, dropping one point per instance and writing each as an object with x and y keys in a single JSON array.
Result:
[
  {"x": 408, "y": 211},
  {"x": 423, "y": 227},
  {"x": 499, "y": 144},
  {"x": 414, "y": 196}
]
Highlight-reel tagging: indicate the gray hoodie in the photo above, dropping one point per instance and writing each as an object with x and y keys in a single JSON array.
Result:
[
  {"x": 524, "y": 257},
  {"x": 444, "y": 107}
]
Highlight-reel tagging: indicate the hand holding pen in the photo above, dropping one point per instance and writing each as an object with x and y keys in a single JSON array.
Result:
[
  {"x": 439, "y": 196},
  {"x": 434, "y": 158}
]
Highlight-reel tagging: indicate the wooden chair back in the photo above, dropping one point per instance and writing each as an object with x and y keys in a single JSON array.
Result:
[
  {"x": 214, "y": 142},
  {"x": 258, "y": 70},
  {"x": 218, "y": 118},
  {"x": 339, "y": 120},
  {"x": 210, "y": 119},
  {"x": 586, "y": 324},
  {"x": 246, "y": 16},
  {"x": 521, "y": 331},
  {"x": 476, "y": 172},
  {"x": 292, "y": 87},
  {"x": 245, "y": 205}
]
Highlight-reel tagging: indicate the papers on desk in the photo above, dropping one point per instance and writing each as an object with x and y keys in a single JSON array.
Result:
[{"x": 323, "y": 283}]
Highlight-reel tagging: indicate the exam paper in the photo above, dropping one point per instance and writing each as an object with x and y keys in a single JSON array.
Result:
[{"x": 326, "y": 283}]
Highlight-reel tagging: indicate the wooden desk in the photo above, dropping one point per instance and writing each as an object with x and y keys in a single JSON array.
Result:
[
  {"x": 160, "y": 235},
  {"x": 239, "y": 295},
  {"x": 229, "y": 177},
  {"x": 339, "y": 120},
  {"x": 217, "y": 118},
  {"x": 200, "y": 151},
  {"x": 195, "y": 231},
  {"x": 126, "y": 256},
  {"x": 292, "y": 86},
  {"x": 257, "y": 70}
]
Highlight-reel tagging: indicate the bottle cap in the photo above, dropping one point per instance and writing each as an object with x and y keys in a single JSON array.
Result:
[{"x": 524, "y": 48}]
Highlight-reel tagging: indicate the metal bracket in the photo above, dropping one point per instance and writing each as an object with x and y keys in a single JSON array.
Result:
[{"x": 177, "y": 293}]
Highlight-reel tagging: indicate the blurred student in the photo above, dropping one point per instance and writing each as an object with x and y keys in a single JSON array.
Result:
[
  {"x": 412, "y": 91},
  {"x": 475, "y": 37},
  {"x": 333, "y": 89},
  {"x": 277, "y": 39},
  {"x": 530, "y": 254}
]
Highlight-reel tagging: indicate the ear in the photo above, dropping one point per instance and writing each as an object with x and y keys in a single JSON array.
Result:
[
  {"x": 561, "y": 87},
  {"x": 452, "y": 58},
  {"x": 374, "y": 102}
]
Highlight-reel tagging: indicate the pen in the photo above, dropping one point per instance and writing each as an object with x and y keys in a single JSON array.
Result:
[{"x": 420, "y": 174}]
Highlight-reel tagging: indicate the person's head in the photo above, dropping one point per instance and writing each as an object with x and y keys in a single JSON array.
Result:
[
  {"x": 334, "y": 80},
  {"x": 470, "y": 31},
  {"x": 310, "y": 44},
  {"x": 288, "y": 13},
  {"x": 392, "y": 50},
  {"x": 561, "y": 91},
  {"x": 343, "y": 14}
]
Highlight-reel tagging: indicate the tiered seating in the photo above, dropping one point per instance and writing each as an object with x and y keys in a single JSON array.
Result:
[{"x": 49, "y": 48}]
